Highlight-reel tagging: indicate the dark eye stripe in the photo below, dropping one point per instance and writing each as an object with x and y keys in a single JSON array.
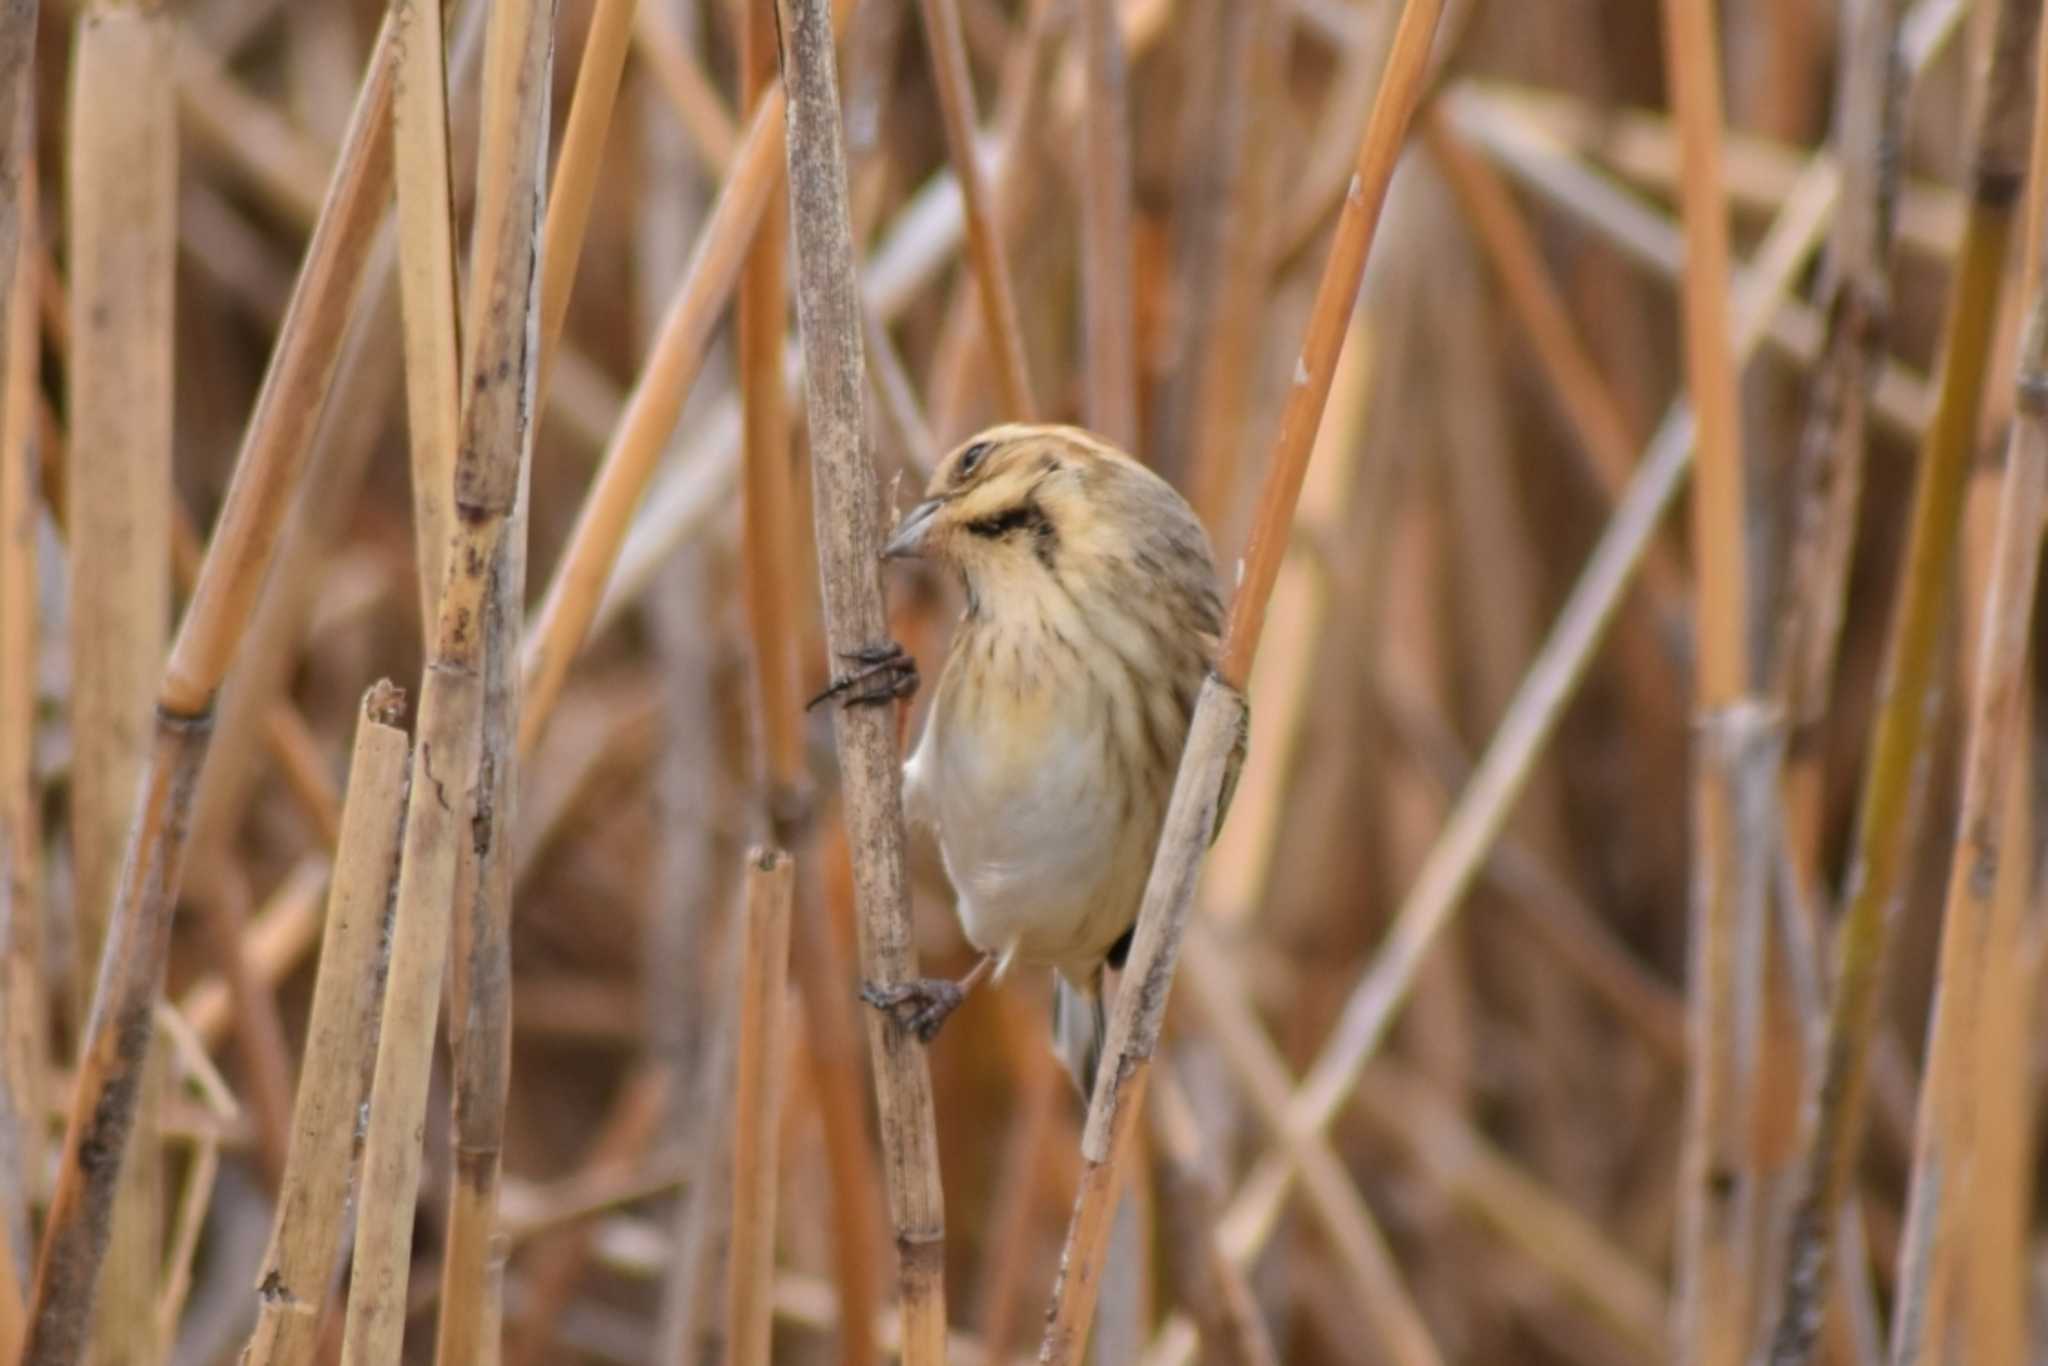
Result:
[{"x": 1023, "y": 517}]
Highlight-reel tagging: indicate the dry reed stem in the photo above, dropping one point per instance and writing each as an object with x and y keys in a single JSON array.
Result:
[
  {"x": 1584, "y": 395},
  {"x": 1884, "y": 812},
  {"x": 122, "y": 254},
  {"x": 501, "y": 371},
  {"x": 23, "y": 1000},
  {"x": 426, "y": 275},
  {"x": 762, "y": 1060},
  {"x": 341, "y": 1040},
  {"x": 1941, "y": 1271},
  {"x": 563, "y": 619},
  {"x": 116, "y": 1056},
  {"x": 848, "y": 530},
  {"x": 1718, "y": 1197},
  {"x": 770, "y": 539},
  {"x": 1108, "y": 357},
  {"x": 948, "y": 51},
  {"x": 1217, "y": 729},
  {"x": 576, "y": 167},
  {"x": 1480, "y": 814}
]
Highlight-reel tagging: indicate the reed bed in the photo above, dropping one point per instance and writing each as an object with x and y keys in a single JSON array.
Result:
[{"x": 1624, "y": 943}]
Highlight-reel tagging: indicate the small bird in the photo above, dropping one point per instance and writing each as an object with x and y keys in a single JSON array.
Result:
[{"x": 1050, "y": 750}]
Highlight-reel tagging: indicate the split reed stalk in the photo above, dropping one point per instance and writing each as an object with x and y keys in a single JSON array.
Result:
[
  {"x": 947, "y": 47},
  {"x": 1217, "y": 731},
  {"x": 1944, "y": 1282},
  {"x": 500, "y": 378},
  {"x": 1718, "y": 1198},
  {"x": 426, "y": 277},
  {"x": 763, "y": 1057},
  {"x": 122, "y": 255},
  {"x": 341, "y": 1042},
  {"x": 23, "y": 1001},
  {"x": 848, "y": 528},
  {"x": 1883, "y": 822}
]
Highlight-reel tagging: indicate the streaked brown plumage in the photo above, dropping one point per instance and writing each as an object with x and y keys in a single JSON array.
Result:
[{"x": 1049, "y": 753}]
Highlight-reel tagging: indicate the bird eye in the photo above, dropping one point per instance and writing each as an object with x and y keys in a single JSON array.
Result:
[{"x": 973, "y": 455}]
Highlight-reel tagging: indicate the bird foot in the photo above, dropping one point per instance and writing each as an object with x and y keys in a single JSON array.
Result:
[
  {"x": 920, "y": 1005},
  {"x": 885, "y": 672}
]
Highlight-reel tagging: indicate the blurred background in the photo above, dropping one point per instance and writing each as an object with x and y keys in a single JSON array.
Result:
[{"x": 1512, "y": 1150}]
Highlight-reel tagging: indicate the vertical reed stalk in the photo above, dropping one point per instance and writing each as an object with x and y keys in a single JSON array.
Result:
[
  {"x": 1949, "y": 1197},
  {"x": 1717, "y": 1195},
  {"x": 426, "y": 277},
  {"x": 341, "y": 1041},
  {"x": 500, "y": 384},
  {"x": 848, "y": 526},
  {"x": 763, "y": 1055},
  {"x": 1883, "y": 832},
  {"x": 122, "y": 254},
  {"x": 1217, "y": 731}
]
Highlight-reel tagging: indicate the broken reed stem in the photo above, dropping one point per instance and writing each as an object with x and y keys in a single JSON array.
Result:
[
  {"x": 1109, "y": 301},
  {"x": 1951, "y": 1191},
  {"x": 763, "y": 1059},
  {"x": 500, "y": 383},
  {"x": 1883, "y": 834},
  {"x": 426, "y": 277},
  {"x": 848, "y": 529},
  {"x": 341, "y": 1042},
  {"x": 1717, "y": 1201},
  {"x": 1217, "y": 730},
  {"x": 947, "y": 47},
  {"x": 24, "y": 1002}
]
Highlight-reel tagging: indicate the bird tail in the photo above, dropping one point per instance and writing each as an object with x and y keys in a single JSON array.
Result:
[{"x": 1079, "y": 1026}]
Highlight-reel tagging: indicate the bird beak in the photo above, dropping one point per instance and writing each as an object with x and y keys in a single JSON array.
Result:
[{"x": 907, "y": 541}]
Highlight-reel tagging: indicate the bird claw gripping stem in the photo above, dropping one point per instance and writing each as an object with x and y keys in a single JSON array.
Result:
[
  {"x": 882, "y": 674},
  {"x": 920, "y": 1005}
]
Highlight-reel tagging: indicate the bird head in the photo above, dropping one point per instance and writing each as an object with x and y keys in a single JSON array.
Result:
[{"x": 993, "y": 499}]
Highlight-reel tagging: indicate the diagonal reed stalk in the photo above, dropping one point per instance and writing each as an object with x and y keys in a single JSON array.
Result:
[
  {"x": 848, "y": 522},
  {"x": 1883, "y": 832},
  {"x": 341, "y": 1039},
  {"x": 1217, "y": 730},
  {"x": 1945, "y": 1281}
]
